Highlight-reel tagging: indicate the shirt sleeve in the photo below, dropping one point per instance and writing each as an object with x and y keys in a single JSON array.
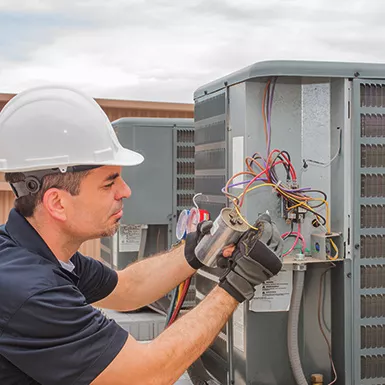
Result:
[
  {"x": 57, "y": 338},
  {"x": 96, "y": 280}
]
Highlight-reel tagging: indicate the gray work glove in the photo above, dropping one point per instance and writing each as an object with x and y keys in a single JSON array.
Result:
[
  {"x": 192, "y": 240},
  {"x": 256, "y": 258}
]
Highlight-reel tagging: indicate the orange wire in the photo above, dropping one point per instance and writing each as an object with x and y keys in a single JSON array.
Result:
[
  {"x": 232, "y": 178},
  {"x": 252, "y": 160},
  {"x": 263, "y": 110}
]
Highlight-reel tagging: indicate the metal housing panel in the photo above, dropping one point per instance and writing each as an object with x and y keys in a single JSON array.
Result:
[
  {"x": 294, "y": 68},
  {"x": 311, "y": 121}
]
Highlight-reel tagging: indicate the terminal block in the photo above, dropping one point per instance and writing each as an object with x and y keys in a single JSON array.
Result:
[{"x": 296, "y": 214}]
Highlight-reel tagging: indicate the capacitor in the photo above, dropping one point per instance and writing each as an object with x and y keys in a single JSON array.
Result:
[{"x": 226, "y": 230}]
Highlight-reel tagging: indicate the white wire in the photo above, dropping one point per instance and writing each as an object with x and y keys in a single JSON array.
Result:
[
  {"x": 194, "y": 199},
  {"x": 321, "y": 164}
]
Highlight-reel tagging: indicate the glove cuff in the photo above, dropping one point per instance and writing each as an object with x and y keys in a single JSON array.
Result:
[
  {"x": 232, "y": 291},
  {"x": 195, "y": 263},
  {"x": 189, "y": 251}
]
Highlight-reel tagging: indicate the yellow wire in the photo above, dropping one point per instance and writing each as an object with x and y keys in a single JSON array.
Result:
[
  {"x": 180, "y": 290},
  {"x": 299, "y": 203},
  {"x": 244, "y": 220}
]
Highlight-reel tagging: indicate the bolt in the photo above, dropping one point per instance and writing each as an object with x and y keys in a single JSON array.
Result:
[
  {"x": 356, "y": 246},
  {"x": 349, "y": 275}
]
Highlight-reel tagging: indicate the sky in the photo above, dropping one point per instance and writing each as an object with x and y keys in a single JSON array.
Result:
[{"x": 163, "y": 50}]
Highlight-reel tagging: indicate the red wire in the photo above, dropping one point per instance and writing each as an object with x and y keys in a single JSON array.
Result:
[
  {"x": 180, "y": 303},
  {"x": 265, "y": 171},
  {"x": 292, "y": 170},
  {"x": 276, "y": 163}
]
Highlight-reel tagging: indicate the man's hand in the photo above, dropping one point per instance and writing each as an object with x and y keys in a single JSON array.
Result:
[
  {"x": 192, "y": 240},
  {"x": 256, "y": 258}
]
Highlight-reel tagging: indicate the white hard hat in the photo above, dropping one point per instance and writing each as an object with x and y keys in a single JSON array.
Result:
[{"x": 57, "y": 127}]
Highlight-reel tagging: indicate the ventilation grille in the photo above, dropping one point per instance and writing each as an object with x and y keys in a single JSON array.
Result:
[
  {"x": 372, "y": 276},
  {"x": 210, "y": 154},
  {"x": 373, "y": 246},
  {"x": 210, "y": 107},
  {"x": 372, "y": 155},
  {"x": 185, "y": 169},
  {"x": 372, "y": 125},
  {"x": 184, "y": 183},
  {"x": 372, "y": 95},
  {"x": 372, "y": 216},
  {"x": 185, "y": 136},
  {"x": 372, "y": 337},
  {"x": 210, "y": 164},
  {"x": 372, "y": 306},
  {"x": 372, "y": 185},
  {"x": 372, "y": 367},
  {"x": 210, "y": 159},
  {"x": 185, "y": 200},
  {"x": 187, "y": 152},
  {"x": 211, "y": 133},
  {"x": 211, "y": 185},
  {"x": 185, "y": 187}
]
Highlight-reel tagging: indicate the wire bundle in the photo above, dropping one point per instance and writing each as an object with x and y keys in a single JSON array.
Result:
[
  {"x": 263, "y": 172},
  {"x": 177, "y": 300}
]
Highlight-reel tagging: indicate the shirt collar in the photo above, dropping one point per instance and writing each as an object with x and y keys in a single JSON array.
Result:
[
  {"x": 69, "y": 266},
  {"x": 22, "y": 232}
]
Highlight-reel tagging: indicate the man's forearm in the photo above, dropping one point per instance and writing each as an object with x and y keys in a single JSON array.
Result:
[
  {"x": 148, "y": 280},
  {"x": 162, "y": 361},
  {"x": 185, "y": 340}
]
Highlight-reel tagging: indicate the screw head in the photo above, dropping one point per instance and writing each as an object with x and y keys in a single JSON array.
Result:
[
  {"x": 349, "y": 275},
  {"x": 356, "y": 246}
]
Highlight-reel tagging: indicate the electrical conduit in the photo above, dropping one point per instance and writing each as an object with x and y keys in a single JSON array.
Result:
[{"x": 292, "y": 327}]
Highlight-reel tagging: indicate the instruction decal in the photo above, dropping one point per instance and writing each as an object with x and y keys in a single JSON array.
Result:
[
  {"x": 130, "y": 237},
  {"x": 274, "y": 294}
]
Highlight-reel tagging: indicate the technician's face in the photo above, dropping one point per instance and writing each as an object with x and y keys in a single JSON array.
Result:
[{"x": 96, "y": 211}]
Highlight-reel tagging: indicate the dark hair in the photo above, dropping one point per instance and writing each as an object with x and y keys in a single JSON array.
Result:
[{"x": 69, "y": 181}]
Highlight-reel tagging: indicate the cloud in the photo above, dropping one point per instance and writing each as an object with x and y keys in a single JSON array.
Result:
[
  {"x": 164, "y": 50},
  {"x": 22, "y": 32}
]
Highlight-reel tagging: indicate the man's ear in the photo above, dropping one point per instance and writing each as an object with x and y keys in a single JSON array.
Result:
[{"x": 54, "y": 203}]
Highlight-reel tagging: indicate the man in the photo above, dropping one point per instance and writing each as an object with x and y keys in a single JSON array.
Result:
[{"x": 63, "y": 162}]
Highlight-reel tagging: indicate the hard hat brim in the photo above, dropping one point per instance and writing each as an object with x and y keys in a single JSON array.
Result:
[
  {"x": 123, "y": 157},
  {"x": 126, "y": 157}
]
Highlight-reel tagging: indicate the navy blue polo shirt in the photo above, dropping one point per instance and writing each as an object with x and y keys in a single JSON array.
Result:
[{"x": 49, "y": 332}]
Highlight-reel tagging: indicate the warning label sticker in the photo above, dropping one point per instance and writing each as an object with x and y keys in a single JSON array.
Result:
[
  {"x": 130, "y": 237},
  {"x": 274, "y": 294}
]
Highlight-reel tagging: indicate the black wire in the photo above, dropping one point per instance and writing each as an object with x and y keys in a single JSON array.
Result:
[
  {"x": 291, "y": 231},
  {"x": 307, "y": 209},
  {"x": 319, "y": 204},
  {"x": 255, "y": 157},
  {"x": 272, "y": 170}
]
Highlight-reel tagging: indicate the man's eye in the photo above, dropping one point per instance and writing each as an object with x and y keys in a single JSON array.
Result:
[{"x": 109, "y": 185}]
